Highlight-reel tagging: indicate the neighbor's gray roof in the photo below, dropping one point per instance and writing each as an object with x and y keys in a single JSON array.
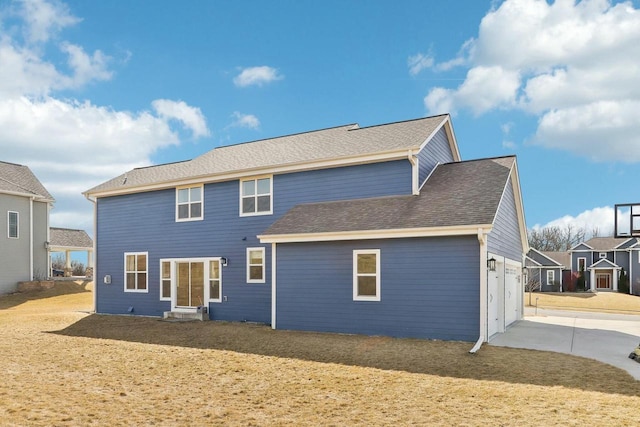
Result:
[
  {"x": 563, "y": 258},
  {"x": 605, "y": 243},
  {"x": 70, "y": 238},
  {"x": 327, "y": 144},
  {"x": 456, "y": 194},
  {"x": 16, "y": 178}
]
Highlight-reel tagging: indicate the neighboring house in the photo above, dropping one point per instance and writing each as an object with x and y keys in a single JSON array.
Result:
[
  {"x": 69, "y": 240},
  {"x": 602, "y": 259},
  {"x": 546, "y": 269},
  {"x": 24, "y": 226},
  {"x": 380, "y": 230}
]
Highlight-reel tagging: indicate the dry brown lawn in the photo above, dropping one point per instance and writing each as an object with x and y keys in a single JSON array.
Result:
[
  {"x": 609, "y": 302},
  {"x": 63, "y": 366}
]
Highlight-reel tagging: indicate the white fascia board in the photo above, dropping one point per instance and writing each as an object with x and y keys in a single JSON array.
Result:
[
  {"x": 517, "y": 196},
  {"x": 34, "y": 197},
  {"x": 541, "y": 254},
  {"x": 448, "y": 128},
  {"x": 69, "y": 248},
  {"x": 623, "y": 243},
  {"x": 374, "y": 234},
  {"x": 573, "y": 249},
  {"x": 292, "y": 167}
]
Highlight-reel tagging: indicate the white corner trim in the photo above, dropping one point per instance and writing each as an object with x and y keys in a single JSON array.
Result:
[{"x": 273, "y": 286}]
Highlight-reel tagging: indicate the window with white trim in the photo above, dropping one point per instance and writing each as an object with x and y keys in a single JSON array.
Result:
[
  {"x": 602, "y": 255},
  {"x": 12, "y": 225},
  {"x": 135, "y": 272},
  {"x": 255, "y": 265},
  {"x": 366, "y": 275},
  {"x": 215, "y": 281},
  {"x": 551, "y": 277},
  {"x": 165, "y": 280},
  {"x": 189, "y": 203},
  {"x": 256, "y": 196},
  {"x": 582, "y": 263}
]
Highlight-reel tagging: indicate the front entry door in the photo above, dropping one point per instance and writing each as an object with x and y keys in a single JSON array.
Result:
[
  {"x": 190, "y": 285},
  {"x": 603, "y": 281}
]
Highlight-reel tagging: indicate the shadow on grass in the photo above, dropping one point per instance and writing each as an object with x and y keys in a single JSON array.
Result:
[
  {"x": 441, "y": 358},
  {"x": 59, "y": 288}
]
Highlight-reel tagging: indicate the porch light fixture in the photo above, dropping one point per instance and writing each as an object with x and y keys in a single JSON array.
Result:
[
  {"x": 491, "y": 264},
  {"x": 224, "y": 261}
]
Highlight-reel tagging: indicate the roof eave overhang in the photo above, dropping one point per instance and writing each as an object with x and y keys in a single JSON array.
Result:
[
  {"x": 402, "y": 154},
  {"x": 62, "y": 248},
  {"x": 35, "y": 197},
  {"x": 398, "y": 233}
]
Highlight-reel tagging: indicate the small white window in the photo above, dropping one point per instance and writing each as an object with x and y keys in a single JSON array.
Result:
[
  {"x": 255, "y": 265},
  {"x": 366, "y": 275},
  {"x": 551, "y": 277},
  {"x": 12, "y": 225},
  {"x": 189, "y": 203},
  {"x": 602, "y": 255},
  {"x": 215, "y": 281},
  {"x": 256, "y": 196},
  {"x": 135, "y": 272},
  {"x": 582, "y": 263},
  {"x": 165, "y": 280}
]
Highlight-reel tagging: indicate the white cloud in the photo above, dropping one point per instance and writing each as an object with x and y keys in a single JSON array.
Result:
[
  {"x": 245, "y": 120},
  {"x": 190, "y": 117},
  {"x": 601, "y": 219},
  {"x": 257, "y": 76},
  {"x": 72, "y": 145},
  {"x": 419, "y": 62},
  {"x": 559, "y": 60}
]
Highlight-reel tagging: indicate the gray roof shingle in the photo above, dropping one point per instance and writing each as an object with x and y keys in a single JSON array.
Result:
[
  {"x": 326, "y": 144},
  {"x": 605, "y": 243},
  {"x": 563, "y": 258},
  {"x": 16, "y": 178},
  {"x": 70, "y": 238},
  {"x": 456, "y": 194}
]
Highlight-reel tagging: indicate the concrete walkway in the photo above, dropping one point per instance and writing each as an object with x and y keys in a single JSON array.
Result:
[{"x": 608, "y": 338}]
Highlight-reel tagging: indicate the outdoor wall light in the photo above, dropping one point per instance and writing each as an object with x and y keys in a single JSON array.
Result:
[
  {"x": 224, "y": 261},
  {"x": 491, "y": 264}
]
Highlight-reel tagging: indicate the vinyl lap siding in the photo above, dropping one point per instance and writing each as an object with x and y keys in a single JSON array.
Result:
[
  {"x": 504, "y": 239},
  {"x": 429, "y": 288},
  {"x": 14, "y": 253},
  {"x": 436, "y": 151},
  {"x": 145, "y": 222}
]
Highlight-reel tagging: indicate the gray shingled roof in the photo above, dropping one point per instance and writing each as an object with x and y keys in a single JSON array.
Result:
[
  {"x": 70, "y": 238},
  {"x": 605, "y": 243},
  {"x": 563, "y": 258},
  {"x": 16, "y": 178},
  {"x": 456, "y": 194},
  {"x": 327, "y": 144}
]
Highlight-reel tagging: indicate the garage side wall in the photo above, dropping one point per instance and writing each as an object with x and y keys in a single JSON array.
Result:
[{"x": 429, "y": 288}]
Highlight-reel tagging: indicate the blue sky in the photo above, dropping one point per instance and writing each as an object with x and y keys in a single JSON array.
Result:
[{"x": 90, "y": 89}]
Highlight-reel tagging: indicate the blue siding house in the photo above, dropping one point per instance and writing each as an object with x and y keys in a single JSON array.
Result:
[{"x": 379, "y": 230}]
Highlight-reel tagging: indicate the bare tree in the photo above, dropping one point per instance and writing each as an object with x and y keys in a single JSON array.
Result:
[{"x": 557, "y": 238}]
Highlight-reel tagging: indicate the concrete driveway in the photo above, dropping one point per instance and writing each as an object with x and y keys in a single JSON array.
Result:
[{"x": 608, "y": 338}]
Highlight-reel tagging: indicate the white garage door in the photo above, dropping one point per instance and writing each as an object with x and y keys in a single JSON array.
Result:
[
  {"x": 492, "y": 302},
  {"x": 512, "y": 293}
]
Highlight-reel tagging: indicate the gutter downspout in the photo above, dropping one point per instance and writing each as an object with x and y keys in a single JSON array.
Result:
[
  {"x": 95, "y": 252},
  {"x": 31, "y": 238},
  {"x": 482, "y": 239}
]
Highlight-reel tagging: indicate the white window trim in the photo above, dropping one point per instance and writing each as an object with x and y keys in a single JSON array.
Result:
[
  {"x": 199, "y": 218},
  {"x": 602, "y": 255},
  {"x": 578, "y": 263},
  {"x": 207, "y": 274},
  {"x": 142, "y": 291},
  {"x": 553, "y": 277},
  {"x": 171, "y": 275},
  {"x": 249, "y": 265},
  {"x": 357, "y": 252},
  {"x": 9, "y": 224},
  {"x": 240, "y": 196}
]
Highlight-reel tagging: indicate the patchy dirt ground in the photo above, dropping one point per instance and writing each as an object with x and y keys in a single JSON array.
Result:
[{"x": 63, "y": 366}]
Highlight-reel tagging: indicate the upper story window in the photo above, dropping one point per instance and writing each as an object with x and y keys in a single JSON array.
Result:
[
  {"x": 135, "y": 272},
  {"x": 189, "y": 203},
  {"x": 256, "y": 196},
  {"x": 602, "y": 255},
  {"x": 582, "y": 263},
  {"x": 12, "y": 225},
  {"x": 366, "y": 275}
]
